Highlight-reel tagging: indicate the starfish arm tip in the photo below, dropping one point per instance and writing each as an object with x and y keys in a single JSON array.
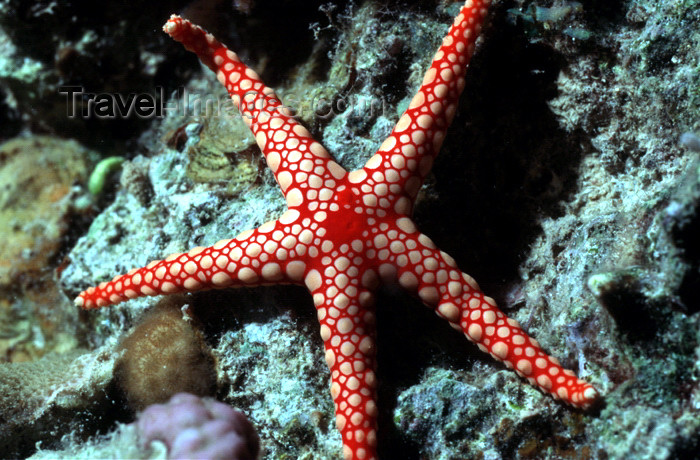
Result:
[
  {"x": 85, "y": 302},
  {"x": 590, "y": 393},
  {"x": 591, "y": 397},
  {"x": 170, "y": 27}
]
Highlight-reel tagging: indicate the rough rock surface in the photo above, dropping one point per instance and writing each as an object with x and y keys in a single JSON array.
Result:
[
  {"x": 60, "y": 394},
  {"x": 42, "y": 202}
]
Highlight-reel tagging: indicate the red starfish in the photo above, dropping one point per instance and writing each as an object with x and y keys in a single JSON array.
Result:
[{"x": 346, "y": 232}]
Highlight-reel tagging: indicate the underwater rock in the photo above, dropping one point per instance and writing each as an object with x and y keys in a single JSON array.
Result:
[
  {"x": 493, "y": 417},
  {"x": 50, "y": 46},
  {"x": 53, "y": 396},
  {"x": 122, "y": 442},
  {"x": 622, "y": 293},
  {"x": 38, "y": 176},
  {"x": 275, "y": 369},
  {"x": 185, "y": 427},
  {"x": 681, "y": 220},
  {"x": 158, "y": 212},
  {"x": 42, "y": 204}
]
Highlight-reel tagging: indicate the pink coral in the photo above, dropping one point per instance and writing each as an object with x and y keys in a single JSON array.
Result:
[{"x": 193, "y": 427}]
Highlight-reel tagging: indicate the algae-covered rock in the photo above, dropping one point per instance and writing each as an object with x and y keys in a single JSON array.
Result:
[
  {"x": 42, "y": 202},
  {"x": 52, "y": 48},
  {"x": 123, "y": 442},
  {"x": 38, "y": 175},
  {"x": 275, "y": 369},
  {"x": 52, "y": 397},
  {"x": 492, "y": 417}
]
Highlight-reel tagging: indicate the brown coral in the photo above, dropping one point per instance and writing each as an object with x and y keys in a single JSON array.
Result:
[{"x": 164, "y": 355}]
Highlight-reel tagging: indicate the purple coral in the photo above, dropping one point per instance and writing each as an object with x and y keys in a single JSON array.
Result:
[{"x": 193, "y": 427}]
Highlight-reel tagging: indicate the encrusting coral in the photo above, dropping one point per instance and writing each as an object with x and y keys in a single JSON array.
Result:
[
  {"x": 42, "y": 396},
  {"x": 164, "y": 355}
]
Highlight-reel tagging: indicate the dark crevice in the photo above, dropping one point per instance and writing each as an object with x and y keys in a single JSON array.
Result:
[{"x": 495, "y": 176}]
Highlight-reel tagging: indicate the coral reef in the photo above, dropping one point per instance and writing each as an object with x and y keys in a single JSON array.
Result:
[
  {"x": 562, "y": 164},
  {"x": 42, "y": 205},
  {"x": 53, "y": 396},
  {"x": 38, "y": 175}
]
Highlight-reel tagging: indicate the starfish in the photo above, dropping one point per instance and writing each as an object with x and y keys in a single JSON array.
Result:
[{"x": 345, "y": 233}]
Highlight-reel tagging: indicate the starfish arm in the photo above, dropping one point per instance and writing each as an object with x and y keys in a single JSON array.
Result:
[
  {"x": 455, "y": 296},
  {"x": 406, "y": 156},
  {"x": 269, "y": 254},
  {"x": 346, "y": 314},
  {"x": 290, "y": 151}
]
